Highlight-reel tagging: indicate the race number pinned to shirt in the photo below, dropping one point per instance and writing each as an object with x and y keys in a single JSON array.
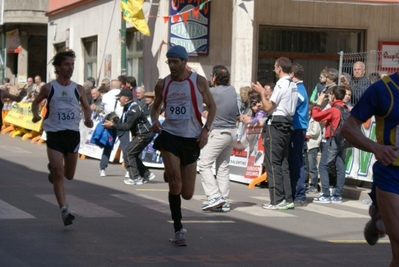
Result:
[{"x": 178, "y": 110}]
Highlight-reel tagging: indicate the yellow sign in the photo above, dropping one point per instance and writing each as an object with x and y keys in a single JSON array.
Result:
[{"x": 21, "y": 115}]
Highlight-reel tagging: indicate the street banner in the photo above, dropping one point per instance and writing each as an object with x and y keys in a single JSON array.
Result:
[{"x": 21, "y": 115}]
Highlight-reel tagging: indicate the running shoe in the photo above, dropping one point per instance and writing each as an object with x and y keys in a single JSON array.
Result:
[
  {"x": 67, "y": 217},
  {"x": 179, "y": 239},
  {"x": 224, "y": 208},
  {"x": 213, "y": 203},
  {"x": 371, "y": 231},
  {"x": 102, "y": 173}
]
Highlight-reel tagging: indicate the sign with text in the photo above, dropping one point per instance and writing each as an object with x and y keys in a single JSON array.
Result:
[
  {"x": 388, "y": 57},
  {"x": 189, "y": 26}
]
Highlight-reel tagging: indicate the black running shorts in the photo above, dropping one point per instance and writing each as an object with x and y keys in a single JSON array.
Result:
[
  {"x": 187, "y": 149},
  {"x": 63, "y": 141}
]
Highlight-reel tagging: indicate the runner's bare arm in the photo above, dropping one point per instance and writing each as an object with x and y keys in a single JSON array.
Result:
[
  {"x": 156, "y": 108},
  {"x": 5, "y": 94},
  {"x": 44, "y": 90},
  {"x": 208, "y": 100},
  {"x": 85, "y": 107}
]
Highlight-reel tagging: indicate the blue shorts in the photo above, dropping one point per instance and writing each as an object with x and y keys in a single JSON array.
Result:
[
  {"x": 187, "y": 149},
  {"x": 386, "y": 178},
  {"x": 63, "y": 141}
]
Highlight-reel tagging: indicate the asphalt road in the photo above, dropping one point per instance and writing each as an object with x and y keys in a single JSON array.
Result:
[{"x": 120, "y": 225}]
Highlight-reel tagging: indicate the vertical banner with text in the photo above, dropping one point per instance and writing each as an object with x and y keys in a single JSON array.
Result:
[{"x": 189, "y": 25}]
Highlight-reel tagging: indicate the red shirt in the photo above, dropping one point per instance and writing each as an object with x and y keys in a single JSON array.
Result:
[{"x": 330, "y": 116}]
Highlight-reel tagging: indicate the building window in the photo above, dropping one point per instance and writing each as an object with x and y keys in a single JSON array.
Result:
[
  {"x": 313, "y": 48},
  {"x": 90, "y": 57},
  {"x": 134, "y": 55},
  {"x": 304, "y": 40}
]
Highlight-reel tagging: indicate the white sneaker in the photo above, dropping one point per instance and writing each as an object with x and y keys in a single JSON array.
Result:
[
  {"x": 214, "y": 203},
  {"x": 138, "y": 181},
  {"x": 149, "y": 177},
  {"x": 128, "y": 181},
  {"x": 127, "y": 175},
  {"x": 102, "y": 173}
]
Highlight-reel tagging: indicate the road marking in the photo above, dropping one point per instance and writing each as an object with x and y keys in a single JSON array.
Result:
[
  {"x": 386, "y": 241},
  {"x": 10, "y": 212},
  {"x": 326, "y": 209},
  {"x": 152, "y": 190},
  {"x": 82, "y": 207},
  {"x": 204, "y": 221},
  {"x": 15, "y": 149},
  {"x": 156, "y": 204}
]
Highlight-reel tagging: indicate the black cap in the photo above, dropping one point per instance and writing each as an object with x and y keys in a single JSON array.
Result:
[{"x": 125, "y": 92}]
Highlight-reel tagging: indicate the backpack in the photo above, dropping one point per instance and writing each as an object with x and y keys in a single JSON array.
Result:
[{"x": 341, "y": 142}]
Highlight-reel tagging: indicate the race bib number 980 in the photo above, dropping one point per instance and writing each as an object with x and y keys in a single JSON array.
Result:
[{"x": 178, "y": 110}]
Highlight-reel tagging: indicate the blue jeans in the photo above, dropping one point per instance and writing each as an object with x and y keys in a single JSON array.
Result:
[
  {"x": 296, "y": 166},
  {"x": 330, "y": 152},
  {"x": 312, "y": 159}
]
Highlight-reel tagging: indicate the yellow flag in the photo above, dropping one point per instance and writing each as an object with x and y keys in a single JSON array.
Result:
[{"x": 133, "y": 13}]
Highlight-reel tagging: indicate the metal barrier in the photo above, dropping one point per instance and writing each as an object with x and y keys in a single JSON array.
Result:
[{"x": 383, "y": 62}]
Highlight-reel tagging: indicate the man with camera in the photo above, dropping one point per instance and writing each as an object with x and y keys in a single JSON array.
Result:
[{"x": 133, "y": 119}]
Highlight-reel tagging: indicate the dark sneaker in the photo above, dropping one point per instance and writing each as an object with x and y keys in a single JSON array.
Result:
[
  {"x": 300, "y": 203},
  {"x": 179, "y": 239},
  {"x": 67, "y": 217},
  {"x": 213, "y": 203},
  {"x": 50, "y": 175},
  {"x": 371, "y": 232},
  {"x": 336, "y": 199}
]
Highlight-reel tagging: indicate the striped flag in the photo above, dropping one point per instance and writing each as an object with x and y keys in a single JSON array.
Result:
[{"x": 133, "y": 13}]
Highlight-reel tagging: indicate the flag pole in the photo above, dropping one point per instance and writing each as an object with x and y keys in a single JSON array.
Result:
[{"x": 123, "y": 46}]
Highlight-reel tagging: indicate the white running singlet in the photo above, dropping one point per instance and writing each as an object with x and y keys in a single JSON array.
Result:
[
  {"x": 183, "y": 107},
  {"x": 63, "y": 108}
]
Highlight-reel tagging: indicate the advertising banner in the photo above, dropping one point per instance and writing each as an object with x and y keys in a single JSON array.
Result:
[{"x": 21, "y": 115}]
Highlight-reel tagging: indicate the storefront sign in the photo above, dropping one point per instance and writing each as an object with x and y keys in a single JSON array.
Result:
[{"x": 388, "y": 58}]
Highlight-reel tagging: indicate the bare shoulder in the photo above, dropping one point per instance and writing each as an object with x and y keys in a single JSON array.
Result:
[
  {"x": 202, "y": 83},
  {"x": 159, "y": 86},
  {"x": 45, "y": 88}
]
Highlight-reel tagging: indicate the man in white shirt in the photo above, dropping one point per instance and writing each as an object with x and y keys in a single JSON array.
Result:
[{"x": 276, "y": 134}]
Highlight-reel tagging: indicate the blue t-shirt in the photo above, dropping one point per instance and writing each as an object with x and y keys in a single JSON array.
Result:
[
  {"x": 383, "y": 103},
  {"x": 301, "y": 115}
]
